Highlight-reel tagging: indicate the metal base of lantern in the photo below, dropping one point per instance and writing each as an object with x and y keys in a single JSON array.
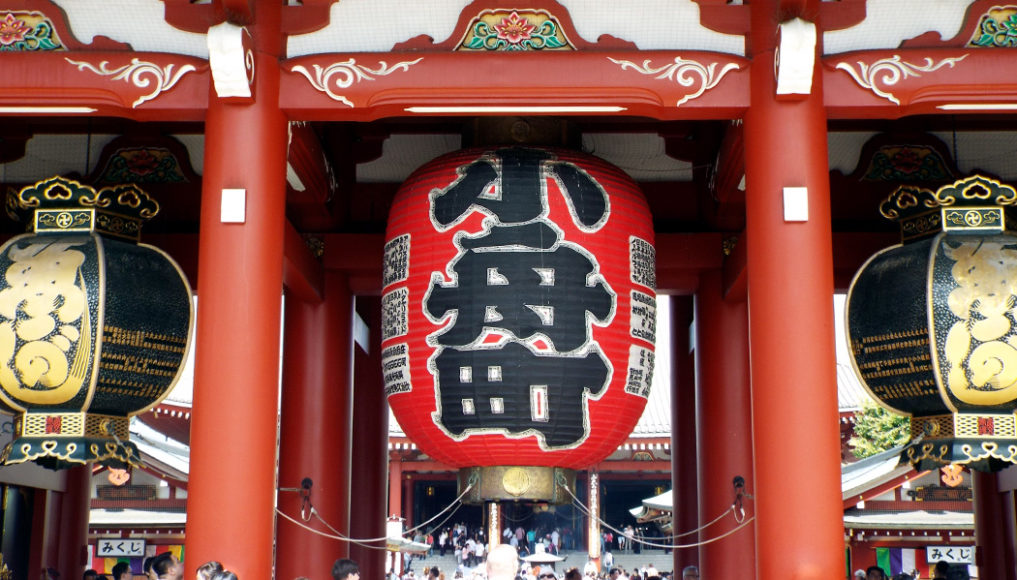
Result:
[
  {"x": 63, "y": 440},
  {"x": 977, "y": 454},
  {"x": 513, "y": 482},
  {"x": 64, "y": 453},
  {"x": 980, "y": 442}
]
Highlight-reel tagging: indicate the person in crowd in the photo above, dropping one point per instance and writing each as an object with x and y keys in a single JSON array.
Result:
[
  {"x": 478, "y": 551},
  {"x": 608, "y": 560},
  {"x": 102, "y": 577},
  {"x": 690, "y": 573},
  {"x": 166, "y": 567},
  {"x": 345, "y": 569},
  {"x": 573, "y": 574},
  {"x": 224, "y": 575},
  {"x": 875, "y": 573},
  {"x": 50, "y": 574},
  {"x": 502, "y": 563},
  {"x": 940, "y": 570},
  {"x": 122, "y": 571},
  {"x": 859, "y": 574},
  {"x": 89, "y": 575},
  {"x": 958, "y": 572},
  {"x": 146, "y": 568},
  {"x": 547, "y": 573},
  {"x": 208, "y": 569}
]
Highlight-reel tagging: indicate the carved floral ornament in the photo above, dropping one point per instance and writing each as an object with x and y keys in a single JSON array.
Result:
[
  {"x": 887, "y": 72},
  {"x": 27, "y": 32},
  {"x": 515, "y": 30},
  {"x": 344, "y": 74},
  {"x": 139, "y": 73},
  {"x": 997, "y": 28},
  {"x": 687, "y": 73}
]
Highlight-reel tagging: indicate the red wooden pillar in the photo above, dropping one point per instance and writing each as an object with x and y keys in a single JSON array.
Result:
[
  {"x": 725, "y": 428},
  {"x": 42, "y": 551},
  {"x": 395, "y": 486},
  {"x": 799, "y": 528},
  {"x": 231, "y": 491},
  {"x": 72, "y": 534},
  {"x": 408, "y": 512},
  {"x": 990, "y": 528},
  {"x": 684, "y": 487},
  {"x": 315, "y": 433},
  {"x": 370, "y": 446}
]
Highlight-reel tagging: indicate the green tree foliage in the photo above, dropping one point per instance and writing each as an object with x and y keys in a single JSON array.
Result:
[{"x": 877, "y": 430}]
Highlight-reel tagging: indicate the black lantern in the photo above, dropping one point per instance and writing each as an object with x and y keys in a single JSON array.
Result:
[
  {"x": 94, "y": 327},
  {"x": 932, "y": 323}
]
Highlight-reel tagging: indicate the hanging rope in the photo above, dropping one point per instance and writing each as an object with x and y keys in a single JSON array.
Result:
[
  {"x": 311, "y": 511},
  {"x": 733, "y": 509}
]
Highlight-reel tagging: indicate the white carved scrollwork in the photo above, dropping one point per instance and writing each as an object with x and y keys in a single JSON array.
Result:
[
  {"x": 345, "y": 73},
  {"x": 890, "y": 71},
  {"x": 139, "y": 73},
  {"x": 684, "y": 72}
]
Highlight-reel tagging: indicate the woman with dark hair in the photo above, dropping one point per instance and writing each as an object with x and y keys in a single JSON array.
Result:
[
  {"x": 208, "y": 570},
  {"x": 345, "y": 569}
]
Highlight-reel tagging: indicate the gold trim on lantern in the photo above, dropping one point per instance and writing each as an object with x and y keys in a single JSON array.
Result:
[
  {"x": 965, "y": 425},
  {"x": 936, "y": 452},
  {"x": 989, "y": 450},
  {"x": 64, "y": 220},
  {"x": 64, "y": 205},
  {"x": 941, "y": 385},
  {"x": 982, "y": 219},
  {"x": 72, "y": 425},
  {"x": 52, "y": 425}
]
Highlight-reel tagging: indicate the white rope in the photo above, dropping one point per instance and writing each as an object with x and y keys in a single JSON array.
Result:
[
  {"x": 455, "y": 502},
  {"x": 337, "y": 535},
  {"x": 744, "y": 522}
]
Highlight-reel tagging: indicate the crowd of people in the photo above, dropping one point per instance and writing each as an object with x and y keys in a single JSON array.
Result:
[
  {"x": 941, "y": 571},
  {"x": 506, "y": 561},
  {"x": 164, "y": 566}
]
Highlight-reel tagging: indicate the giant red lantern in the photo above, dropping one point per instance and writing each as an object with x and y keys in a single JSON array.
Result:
[{"x": 518, "y": 312}]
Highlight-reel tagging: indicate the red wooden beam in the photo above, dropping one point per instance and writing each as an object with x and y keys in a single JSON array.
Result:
[
  {"x": 302, "y": 272},
  {"x": 631, "y": 83},
  {"x": 889, "y": 84},
  {"x": 154, "y": 86},
  {"x": 662, "y": 467}
]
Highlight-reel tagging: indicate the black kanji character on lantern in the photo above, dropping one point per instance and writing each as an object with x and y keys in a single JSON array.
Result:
[
  {"x": 519, "y": 189},
  {"x": 526, "y": 293},
  {"x": 516, "y": 390},
  {"x": 517, "y": 279}
]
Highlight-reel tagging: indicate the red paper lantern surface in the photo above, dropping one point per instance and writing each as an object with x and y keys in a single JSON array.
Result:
[{"x": 518, "y": 308}]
